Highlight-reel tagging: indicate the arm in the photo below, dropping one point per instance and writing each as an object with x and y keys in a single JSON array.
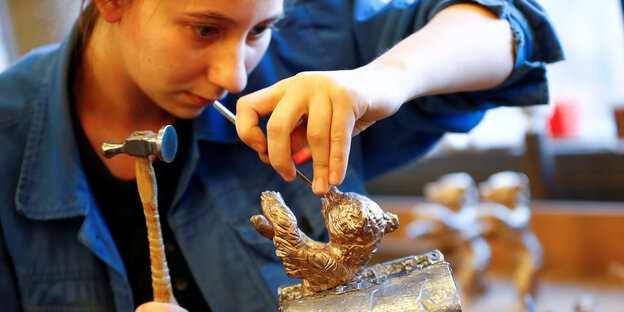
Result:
[{"x": 463, "y": 48}]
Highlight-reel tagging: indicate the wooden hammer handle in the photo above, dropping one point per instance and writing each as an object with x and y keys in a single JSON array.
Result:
[{"x": 146, "y": 182}]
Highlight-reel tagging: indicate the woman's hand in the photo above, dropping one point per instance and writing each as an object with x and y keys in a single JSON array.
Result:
[
  {"x": 160, "y": 307},
  {"x": 464, "y": 47},
  {"x": 320, "y": 109}
]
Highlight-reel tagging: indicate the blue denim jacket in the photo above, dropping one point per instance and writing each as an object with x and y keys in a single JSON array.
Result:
[{"x": 56, "y": 253}]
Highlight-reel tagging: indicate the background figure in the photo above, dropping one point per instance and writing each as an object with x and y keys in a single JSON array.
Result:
[
  {"x": 505, "y": 215},
  {"x": 450, "y": 219}
]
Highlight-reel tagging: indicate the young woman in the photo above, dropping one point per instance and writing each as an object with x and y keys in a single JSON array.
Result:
[{"x": 72, "y": 234}]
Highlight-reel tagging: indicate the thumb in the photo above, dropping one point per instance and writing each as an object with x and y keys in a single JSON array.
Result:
[{"x": 251, "y": 107}]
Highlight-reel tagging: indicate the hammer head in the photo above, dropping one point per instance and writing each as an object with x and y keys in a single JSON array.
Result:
[{"x": 145, "y": 143}]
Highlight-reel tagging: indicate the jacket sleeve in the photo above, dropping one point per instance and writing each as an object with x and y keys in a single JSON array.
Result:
[
  {"x": 8, "y": 285},
  {"x": 378, "y": 25}
]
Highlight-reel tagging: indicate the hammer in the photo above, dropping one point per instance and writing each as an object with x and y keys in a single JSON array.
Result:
[{"x": 143, "y": 144}]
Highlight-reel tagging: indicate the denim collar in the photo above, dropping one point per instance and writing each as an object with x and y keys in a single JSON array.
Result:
[{"x": 52, "y": 184}]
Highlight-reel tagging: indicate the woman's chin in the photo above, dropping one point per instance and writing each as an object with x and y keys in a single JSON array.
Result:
[
  {"x": 184, "y": 111},
  {"x": 188, "y": 113}
]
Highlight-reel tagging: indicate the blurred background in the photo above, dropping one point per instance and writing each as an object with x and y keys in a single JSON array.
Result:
[{"x": 571, "y": 150}]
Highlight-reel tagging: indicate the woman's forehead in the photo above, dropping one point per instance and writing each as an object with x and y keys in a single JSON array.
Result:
[{"x": 231, "y": 8}]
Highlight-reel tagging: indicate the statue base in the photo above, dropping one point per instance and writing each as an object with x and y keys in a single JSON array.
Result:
[{"x": 416, "y": 283}]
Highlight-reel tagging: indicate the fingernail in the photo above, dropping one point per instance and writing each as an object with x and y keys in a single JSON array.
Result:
[
  {"x": 320, "y": 186},
  {"x": 334, "y": 179},
  {"x": 288, "y": 178}
]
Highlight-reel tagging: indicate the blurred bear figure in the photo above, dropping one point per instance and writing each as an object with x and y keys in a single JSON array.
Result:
[
  {"x": 449, "y": 218},
  {"x": 505, "y": 215}
]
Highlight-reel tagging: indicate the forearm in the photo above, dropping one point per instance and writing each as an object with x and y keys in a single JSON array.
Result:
[{"x": 465, "y": 47}]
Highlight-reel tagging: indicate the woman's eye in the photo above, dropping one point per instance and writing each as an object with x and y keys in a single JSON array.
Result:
[
  {"x": 258, "y": 31},
  {"x": 204, "y": 31}
]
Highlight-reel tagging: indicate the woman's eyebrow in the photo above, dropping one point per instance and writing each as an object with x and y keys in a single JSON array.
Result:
[
  {"x": 210, "y": 15},
  {"x": 276, "y": 17},
  {"x": 218, "y": 16}
]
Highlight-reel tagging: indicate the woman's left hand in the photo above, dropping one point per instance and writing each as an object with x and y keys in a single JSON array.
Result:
[{"x": 320, "y": 109}]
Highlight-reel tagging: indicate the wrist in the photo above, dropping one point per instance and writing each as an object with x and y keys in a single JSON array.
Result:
[{"x": 392, "y": 78}]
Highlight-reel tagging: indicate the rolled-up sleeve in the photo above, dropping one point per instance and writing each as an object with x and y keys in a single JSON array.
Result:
[
  {"x": 535, "y": 45},
  {"x": 378, "y": 25},
  {"x": 381, "y": 24}
]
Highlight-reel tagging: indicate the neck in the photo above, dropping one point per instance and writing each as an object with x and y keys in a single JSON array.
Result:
[
  {"x": 109, "y": 104},
  {"x": 105, "y": 90}
]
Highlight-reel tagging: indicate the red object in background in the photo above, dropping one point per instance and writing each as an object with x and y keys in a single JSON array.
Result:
[
  {"x": 563, "y": 123},
  {"x": 618, "y": 113},
  {"x": 302, "y": 156}
]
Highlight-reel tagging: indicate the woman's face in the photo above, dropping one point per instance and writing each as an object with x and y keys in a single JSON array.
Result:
[{"x": 185, "y": 54}]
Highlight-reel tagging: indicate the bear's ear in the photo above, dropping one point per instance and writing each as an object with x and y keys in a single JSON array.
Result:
[{"x": 392, "y": 222}]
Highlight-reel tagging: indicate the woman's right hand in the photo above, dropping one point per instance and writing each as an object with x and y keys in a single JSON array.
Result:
[
  {"x": 322, "y": 109},
  {"x": 160, "y": 307}
]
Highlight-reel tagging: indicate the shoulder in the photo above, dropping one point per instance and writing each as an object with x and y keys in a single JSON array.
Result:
[
  {"x": 22, "y": 84},
  {"x": 22, "y": 89}
]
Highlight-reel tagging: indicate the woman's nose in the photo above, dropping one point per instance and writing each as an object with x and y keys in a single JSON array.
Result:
[{"x": 228, "y": 69}]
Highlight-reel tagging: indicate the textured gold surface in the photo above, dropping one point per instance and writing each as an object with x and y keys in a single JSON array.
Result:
[{"x": 355, "y": 225}]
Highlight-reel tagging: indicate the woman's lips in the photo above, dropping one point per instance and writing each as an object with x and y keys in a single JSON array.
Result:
[{"x": 198, "y": 100}]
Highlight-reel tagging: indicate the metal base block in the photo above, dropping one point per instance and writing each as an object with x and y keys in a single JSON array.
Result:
[{"x": 416, "y": 283}]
